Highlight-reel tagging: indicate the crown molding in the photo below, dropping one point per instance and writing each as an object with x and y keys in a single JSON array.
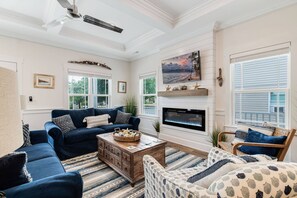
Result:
[
  {"x": 153, "y": 11},
  {"x": 199, "y": 11},
  {"x": 143, "y": 39}
]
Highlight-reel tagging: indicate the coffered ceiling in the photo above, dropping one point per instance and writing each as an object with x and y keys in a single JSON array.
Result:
[{"x": 149, "y": 25}]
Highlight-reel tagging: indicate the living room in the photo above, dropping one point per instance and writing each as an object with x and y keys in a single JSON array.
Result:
[{"x": 38, "y": 42}]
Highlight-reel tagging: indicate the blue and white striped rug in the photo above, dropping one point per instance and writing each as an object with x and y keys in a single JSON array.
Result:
[{"x": 102, "y": 181}]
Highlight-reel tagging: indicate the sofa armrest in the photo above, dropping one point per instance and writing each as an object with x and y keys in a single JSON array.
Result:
[
  {"x": 54, "y": 132},
  {"x": 157, "y": 177},
  {"x": 38, "y": 136},
  {"x": 65, "y": 185},
  {"x": 135, "y": 122}
]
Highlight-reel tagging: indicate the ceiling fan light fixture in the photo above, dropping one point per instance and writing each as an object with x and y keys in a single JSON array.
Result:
[{"x": 103, "y": 24}]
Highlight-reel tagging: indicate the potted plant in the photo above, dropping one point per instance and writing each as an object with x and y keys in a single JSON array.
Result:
[
  {"x": 131, "y": 105},
  {"x": 215, "y": 137},
  {"x": 156, "y": 125}
]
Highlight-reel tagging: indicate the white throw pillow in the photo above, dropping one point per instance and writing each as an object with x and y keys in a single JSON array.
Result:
[{"x": 95, "y": 121}]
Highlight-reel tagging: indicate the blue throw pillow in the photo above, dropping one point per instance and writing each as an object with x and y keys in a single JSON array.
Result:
[
  {"x": 13, "y": 171},
  {"x": 257, "y": 137}
]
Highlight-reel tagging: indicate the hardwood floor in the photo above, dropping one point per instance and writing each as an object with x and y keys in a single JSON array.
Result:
[{"x": 188, "y": 149}]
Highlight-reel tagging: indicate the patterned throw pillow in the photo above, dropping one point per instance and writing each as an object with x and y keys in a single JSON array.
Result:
[
  {"x": 26, "y": 134},
  {"x": 13, "y": 170},
  {"x": 95, "y": 121},
  {"x": 258, "y": 180},
  {"x": 220, "y": 168},
  {"x": 2, "y": 194},
  {"x": 65, "y": 123},
  {"x": 122, "y": 118}
]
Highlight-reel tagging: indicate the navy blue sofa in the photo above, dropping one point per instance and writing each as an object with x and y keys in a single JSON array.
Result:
[
  {"x": 49, "y": 177},
  {"x": 82, "y": 140}
]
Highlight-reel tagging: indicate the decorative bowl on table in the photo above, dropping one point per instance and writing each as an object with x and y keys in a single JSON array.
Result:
[{"x": 126, "y": 135}]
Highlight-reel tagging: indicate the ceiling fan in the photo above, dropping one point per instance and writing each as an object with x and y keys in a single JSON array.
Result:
[{"x": 72, "y": 14}]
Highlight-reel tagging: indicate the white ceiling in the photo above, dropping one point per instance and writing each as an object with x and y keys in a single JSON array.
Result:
[{"x": 149, "y": 25}]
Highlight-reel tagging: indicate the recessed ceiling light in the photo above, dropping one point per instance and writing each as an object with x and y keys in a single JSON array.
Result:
[{"x": 136, "y": 52}]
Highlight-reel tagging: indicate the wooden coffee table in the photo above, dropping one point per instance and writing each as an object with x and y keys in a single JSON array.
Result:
[{"x": 126, "y": 157}]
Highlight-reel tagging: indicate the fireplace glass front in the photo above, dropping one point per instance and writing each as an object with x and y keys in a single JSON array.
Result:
[{"x": 186, "y": 118}]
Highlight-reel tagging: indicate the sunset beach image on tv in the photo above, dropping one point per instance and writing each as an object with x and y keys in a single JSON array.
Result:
[{"x": 181, "y": 69}]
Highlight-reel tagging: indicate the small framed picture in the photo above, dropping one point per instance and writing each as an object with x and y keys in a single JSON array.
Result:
[
  {"x": 122, "y": 87},
  {"x": 44, "y": 81}
]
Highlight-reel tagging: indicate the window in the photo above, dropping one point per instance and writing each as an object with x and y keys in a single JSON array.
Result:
[
  {"x": 88, "y": 91},
  {"x": 148, "y": 95},
  {"x": 260, "y": 88}
]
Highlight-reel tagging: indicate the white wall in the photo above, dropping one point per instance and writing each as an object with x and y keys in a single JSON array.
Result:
[
  {"x": 273, "y": 28},
  {"x": 143, "y": 66},
  {"x": 206, "y": 44},
  {"x": 43, "y": 59}
]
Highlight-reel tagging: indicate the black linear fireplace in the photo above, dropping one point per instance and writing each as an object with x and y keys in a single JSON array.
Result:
[{"x": 186, "y": 118}]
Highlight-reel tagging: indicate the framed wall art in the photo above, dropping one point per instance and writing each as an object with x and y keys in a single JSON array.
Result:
[
  {"x": 122, "y": 87},
  {"x": 181, "y": 69},
  {"x": 44, "y": 81}
]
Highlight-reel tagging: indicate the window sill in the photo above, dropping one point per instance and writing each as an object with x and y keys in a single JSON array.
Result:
[{"x": 153, "y": 117}]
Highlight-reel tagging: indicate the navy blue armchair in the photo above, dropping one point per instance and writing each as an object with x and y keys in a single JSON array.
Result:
[{"x": 82, "y": 140}]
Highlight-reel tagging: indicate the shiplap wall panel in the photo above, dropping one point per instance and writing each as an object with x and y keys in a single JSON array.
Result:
[{"x": 192, "y": 138}]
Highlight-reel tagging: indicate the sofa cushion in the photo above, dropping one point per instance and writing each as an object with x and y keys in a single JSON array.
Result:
[
  {"x": 112, "y": 112},
  {"x": 82, "y": 134},
  {"x": 45, "y": 167},
  {"x": 26, "y": 135},
  {"x": 122, "y": 118},
  {"x": 65, "y": 123},
  {"x": 95, "y": 121},
  {"x": 13, "y": 171},
  {"x": 255, "y": 136},
  {"x": 77, "y": 116},
  {"x": 110, "y": 128},
  {"x": 267, "y": 130},
  {"x": 38, "y": 151}
]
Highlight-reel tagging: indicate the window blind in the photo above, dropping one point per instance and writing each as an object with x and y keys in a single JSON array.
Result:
[{"x": 260, "y": 86}]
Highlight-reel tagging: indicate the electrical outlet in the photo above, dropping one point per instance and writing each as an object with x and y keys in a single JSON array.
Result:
[{"x": 30, "y": 99}]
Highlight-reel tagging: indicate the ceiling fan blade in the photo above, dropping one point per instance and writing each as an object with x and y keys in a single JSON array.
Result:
[
  {"x": 65, "y": 4},
  {"x": 103, "y": 24}
]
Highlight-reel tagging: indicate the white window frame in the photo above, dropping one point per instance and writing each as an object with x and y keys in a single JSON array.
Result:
[
  {"x": 286, "y": 90},
  {"x": 142, "y": 95},
  {"x": 91, "y": 94}
]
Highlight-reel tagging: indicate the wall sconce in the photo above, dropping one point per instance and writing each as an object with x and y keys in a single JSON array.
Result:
[{"x": 220, "y": 78}]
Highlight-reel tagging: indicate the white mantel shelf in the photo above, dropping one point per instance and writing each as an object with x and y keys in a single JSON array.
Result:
[{"x": 198, "y": 92}]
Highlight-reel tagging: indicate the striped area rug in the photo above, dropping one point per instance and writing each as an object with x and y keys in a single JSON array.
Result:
[{"x": 102, "y": 181}]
